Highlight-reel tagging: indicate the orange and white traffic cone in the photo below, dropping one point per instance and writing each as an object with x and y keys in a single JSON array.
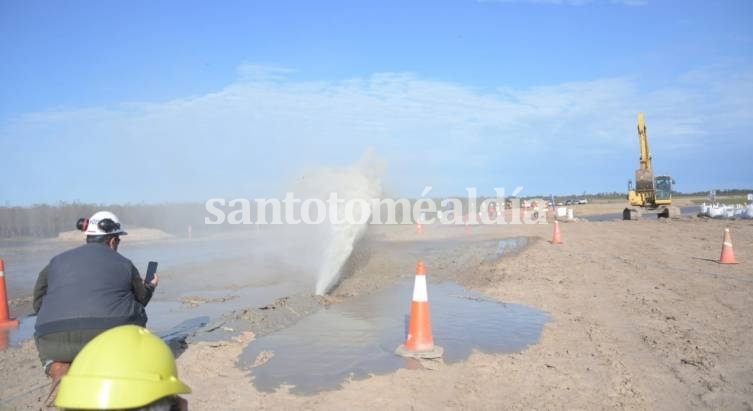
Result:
[
  {"x": 419, "y": 228},
  {"x": 556, "y": 236},
  {"x": 420, "y": 342},
  {"x": 728, "y": 254},
  {"x": 467, "y": 229},
  {"x": 5, "y": 321}
]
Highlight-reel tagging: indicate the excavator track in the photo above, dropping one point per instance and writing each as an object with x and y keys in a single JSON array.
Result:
[{"x": 635, "y": 214}]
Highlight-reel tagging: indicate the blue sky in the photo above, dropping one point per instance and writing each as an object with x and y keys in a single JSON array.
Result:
[{"x": 151, "y": 101}]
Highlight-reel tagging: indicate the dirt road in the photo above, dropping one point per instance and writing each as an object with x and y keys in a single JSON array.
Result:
[{"x": 642, "y": 318}]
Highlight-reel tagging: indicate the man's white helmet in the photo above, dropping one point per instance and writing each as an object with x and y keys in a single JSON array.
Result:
[{"x": 98, "y": 224}]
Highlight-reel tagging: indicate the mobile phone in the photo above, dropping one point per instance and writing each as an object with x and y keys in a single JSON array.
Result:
[{"x": 150, "y": 270}]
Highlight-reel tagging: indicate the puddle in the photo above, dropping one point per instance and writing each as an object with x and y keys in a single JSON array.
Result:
[
  {"x": 358, "y": 338},
  {"x": 23, "y": 263},
  {"x": 176, "y": 319},
  {"x": 25, "y": 331}
]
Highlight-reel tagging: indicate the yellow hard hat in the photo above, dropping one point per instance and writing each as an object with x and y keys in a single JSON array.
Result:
[{"x": 124, "y": 367}]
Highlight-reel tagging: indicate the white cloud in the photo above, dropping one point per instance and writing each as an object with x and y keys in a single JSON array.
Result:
[
  {"x": 259, "y": 72},
  {"x": 259, "y": 129}
]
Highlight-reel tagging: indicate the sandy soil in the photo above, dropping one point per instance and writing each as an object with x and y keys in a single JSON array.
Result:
[{"x": 642, "y": 318}]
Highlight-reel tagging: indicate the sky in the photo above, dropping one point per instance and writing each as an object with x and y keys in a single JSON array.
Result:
[{"x": 161, "y": 101}]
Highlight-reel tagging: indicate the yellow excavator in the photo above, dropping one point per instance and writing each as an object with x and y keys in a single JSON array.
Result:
[{"x": 651, "y": 194}]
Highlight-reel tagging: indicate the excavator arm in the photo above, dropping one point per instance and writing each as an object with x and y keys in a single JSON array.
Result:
[
  {"x": 643, "y": 138},
  {"x": 644, "y": 175}
]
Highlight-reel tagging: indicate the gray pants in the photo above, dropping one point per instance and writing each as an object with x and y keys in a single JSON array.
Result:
[{"x": 63, "y": 346}]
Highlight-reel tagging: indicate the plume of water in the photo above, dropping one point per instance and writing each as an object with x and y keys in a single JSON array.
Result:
[{"x": 334, "y": 242}]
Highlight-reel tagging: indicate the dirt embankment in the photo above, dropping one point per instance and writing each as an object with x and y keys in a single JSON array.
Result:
[{"x": 642, "y": 318}]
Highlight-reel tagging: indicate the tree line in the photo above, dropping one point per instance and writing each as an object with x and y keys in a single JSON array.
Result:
[{"x": 45, "y": 221}]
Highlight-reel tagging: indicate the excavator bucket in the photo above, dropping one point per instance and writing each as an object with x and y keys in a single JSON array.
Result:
[{"x": 644, "y": 180}]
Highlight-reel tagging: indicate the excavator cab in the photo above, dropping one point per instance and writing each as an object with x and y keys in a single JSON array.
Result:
[{"x": 663, "y": 190}]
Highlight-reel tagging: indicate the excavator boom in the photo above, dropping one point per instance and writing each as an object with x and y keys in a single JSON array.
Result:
[{"x": 644, "y": 176}]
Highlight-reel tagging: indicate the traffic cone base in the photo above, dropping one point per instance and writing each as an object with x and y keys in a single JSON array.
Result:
[
  {"x": 3, "y": 340},
  {"x": 728, "y": 253},
  {"x": 434, "y": 352}
]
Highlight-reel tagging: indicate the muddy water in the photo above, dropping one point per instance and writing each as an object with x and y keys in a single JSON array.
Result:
[
  {"x": 176, "y": 319},
  {"x": 23, "y": 263},
  {"x": 205, "y": 278},
  {"x": 358, "y": 338},
  {"x": 200, "y": 280}
]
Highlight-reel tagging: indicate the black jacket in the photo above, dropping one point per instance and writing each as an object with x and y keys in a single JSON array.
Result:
[{"x": 89, "y": 287}]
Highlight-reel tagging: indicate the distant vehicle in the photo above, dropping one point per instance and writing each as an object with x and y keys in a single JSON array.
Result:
[
  {"x": 583, "y": 201},
  {"x": 569, "y": 202}
]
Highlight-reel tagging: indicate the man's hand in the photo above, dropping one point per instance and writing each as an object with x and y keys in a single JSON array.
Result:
[{"x": 155, "y": 281}]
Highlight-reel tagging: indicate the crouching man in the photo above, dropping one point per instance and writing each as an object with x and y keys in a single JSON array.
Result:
[{"x": 85, "y": 291}]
